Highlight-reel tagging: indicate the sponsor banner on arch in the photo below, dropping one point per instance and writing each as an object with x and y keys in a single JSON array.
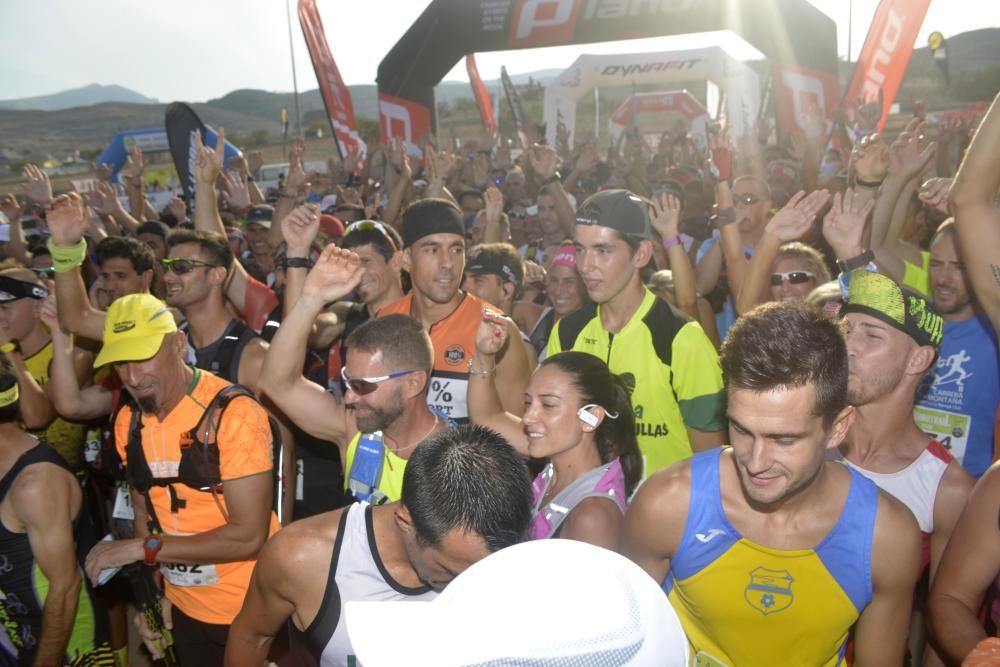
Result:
[{"x": 405, "y": 119}]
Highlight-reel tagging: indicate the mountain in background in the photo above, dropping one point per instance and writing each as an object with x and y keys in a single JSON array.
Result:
[
  {"x": 87, "y": 118},
  {"x": 87, "y": 96}
]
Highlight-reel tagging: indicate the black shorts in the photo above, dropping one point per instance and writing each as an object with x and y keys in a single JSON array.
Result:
[{"x": 198, "y": 644}]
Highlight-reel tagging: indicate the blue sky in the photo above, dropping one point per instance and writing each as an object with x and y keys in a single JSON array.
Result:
[{"x": 196, "y": 50}]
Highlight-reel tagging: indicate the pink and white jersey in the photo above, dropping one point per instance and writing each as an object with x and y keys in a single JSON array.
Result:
[{"x": 606, "y": 481}]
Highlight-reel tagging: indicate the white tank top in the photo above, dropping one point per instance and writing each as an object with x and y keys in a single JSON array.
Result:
[{"x": 356, "y": 573}]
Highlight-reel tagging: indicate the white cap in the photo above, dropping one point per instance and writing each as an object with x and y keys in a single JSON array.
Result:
[
  {"x": 542, "y": 602},
  {"x": 328, "y": 201}
]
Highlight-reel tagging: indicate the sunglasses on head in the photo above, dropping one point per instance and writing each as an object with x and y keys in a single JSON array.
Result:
[
  {"x": 746, "y": 199},
  {"x": 362, "y": 225},
  {"x": 793, "y": 277},
  {"x": 182, "y": 266},
  {"x": 364, "y": 386}
]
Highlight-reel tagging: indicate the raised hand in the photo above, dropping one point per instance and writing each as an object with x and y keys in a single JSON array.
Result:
[
  {"x": 135, "y": 163},
  {"x": 237, "y": 190},
  {"x": 336, "y": 273},
  {"x": 721, "y": 154},
  {"x": 491, "y": 335},
  {"x": 104, "y": 199},
  {"x": 67, "y": 219},
  {"x": 868, "y": 114},
  {"x": 795, "y": 219},
  {"x": 844, "y": 225},
  {"x": 238, "y": 164},
  {"x": 49, "y": 314},
  {"x": 480, "y": 169},
  {"x": 255, "y": 160},
  {"x": 534, "y": 273},
  {"x": 178, "y": 208},
  {"x": 37, "y": 185},
  {"x": 297, "y": 179},
  {"x": 493, "y": 199},
  {"x": 934, "y": 192},
  {"x": 11, "y": 208},
  {"x": 666, "y": 215},
  {"x": 908, "y": 155},
  {"x": 588, "y": 158},
  {"x": 870, "y": 159},
  {"x": 300, "y": 227},
  {"x": 544, "y": 161},
  {"x": 102, "y": 172},
  {"x": 352, "y": 159},
  {"x": 209, "y": 162}
]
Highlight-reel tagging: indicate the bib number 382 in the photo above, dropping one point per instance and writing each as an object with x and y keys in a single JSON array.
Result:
[{"x": 189, "y": 575}]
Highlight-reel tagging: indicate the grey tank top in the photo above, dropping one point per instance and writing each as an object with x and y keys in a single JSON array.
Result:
[{"x": 356, "y": 573}]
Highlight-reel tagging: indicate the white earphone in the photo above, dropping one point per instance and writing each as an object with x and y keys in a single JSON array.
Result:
[{"x": 586, "y": 416}]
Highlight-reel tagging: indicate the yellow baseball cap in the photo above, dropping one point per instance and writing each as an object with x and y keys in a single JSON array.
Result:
[{"x": 134, "y": 329}]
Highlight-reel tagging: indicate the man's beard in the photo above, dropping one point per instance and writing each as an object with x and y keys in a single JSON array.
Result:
[
  {"x": 873, "y": 390},
  {"x": 377, "y": 419},
  {"x": 149, "y": 405}
]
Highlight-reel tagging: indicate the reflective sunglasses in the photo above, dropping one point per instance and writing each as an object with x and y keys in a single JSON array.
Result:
[
  {"x": 363, "y": 225},
  {"x": 746, "y": 199},
  {"x": 793, "y": 277},
  {"x": 365, "y": 386},
  {"x": 182, "y": 266}
]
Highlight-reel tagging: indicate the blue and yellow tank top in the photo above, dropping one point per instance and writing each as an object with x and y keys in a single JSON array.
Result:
[{"x": 745, "y": 604}]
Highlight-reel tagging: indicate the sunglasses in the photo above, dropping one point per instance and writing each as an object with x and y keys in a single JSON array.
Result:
[
  {"x": 363, "y": 225},
  {"x": 365, "y": 386},
  {"x": 746, "y": 199},
  {"x": 45, "y": 272},
  {"x": 793, "y": 277},
  {"x": 182, "y": 266},
  {"x": 517, "y": 215}
]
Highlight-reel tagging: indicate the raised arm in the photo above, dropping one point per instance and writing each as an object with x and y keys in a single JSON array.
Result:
[
  {"x": 67, "y": 222},
  {"x": 16, "y": 246},
  {"x": 788, "y": 224},
  {"x": 844, "y": 224},
  {"x": 309, "y": 405},
  {"x": 665, "y": 219},
  {"x": 977, "y": 219},
  {"x": 485, "y": 406},
  {"x": 544, "y": 161},
  {"x": 69, "y": 399}
]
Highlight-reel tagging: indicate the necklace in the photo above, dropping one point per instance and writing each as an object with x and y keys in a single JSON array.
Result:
[{"x": 403, "y": 450}]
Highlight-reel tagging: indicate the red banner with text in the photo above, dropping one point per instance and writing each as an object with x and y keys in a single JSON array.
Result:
[
  {"x": 886, "y": 52},
  {"x": 336, "y": 97}
]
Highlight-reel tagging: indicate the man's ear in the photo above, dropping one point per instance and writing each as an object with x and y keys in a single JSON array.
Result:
[
  {"x": 921, "y": 360},
  {"x": 508, "y": 289},
  {"x": 147, "y": 279},
  {"x": 396, "y": 261},
  {"x": 406, "y": 260},
  {"x": 841, "y": 425},
  {"x": 403, "y": 519},
  {"x": 642, "y": 254}
]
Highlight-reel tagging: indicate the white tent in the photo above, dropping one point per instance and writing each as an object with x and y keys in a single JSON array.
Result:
[{"x": 740, "y": 83}]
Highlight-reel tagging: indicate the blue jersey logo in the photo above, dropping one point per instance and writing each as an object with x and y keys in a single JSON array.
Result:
[{"x": 769, "y": 591}]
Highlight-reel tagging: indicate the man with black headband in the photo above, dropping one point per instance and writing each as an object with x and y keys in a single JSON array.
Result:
[
  {"x": 893, "y": 338},
  {"x": 28, "y": 345},
  {"x": 434, "y": 256}
]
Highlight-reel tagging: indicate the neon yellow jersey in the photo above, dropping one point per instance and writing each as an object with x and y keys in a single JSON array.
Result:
[
  {"x": 673, "y": 365},
  {"x": 743, "y": 604},
  {"x": 390, "y": 481},
  {"x": 918, "y": 277}
]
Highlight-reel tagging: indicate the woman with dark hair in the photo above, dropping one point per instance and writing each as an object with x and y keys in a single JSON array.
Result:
[{"x": 578, "y": 417}]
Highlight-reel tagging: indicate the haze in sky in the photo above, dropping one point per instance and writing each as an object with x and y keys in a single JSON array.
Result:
[{"x": 195, "y": 50}]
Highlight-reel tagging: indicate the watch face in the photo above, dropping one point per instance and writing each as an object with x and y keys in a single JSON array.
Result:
[{"x": 153, "y": 542}]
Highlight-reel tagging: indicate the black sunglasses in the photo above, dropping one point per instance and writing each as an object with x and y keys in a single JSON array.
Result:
[
  {"x": 746, "y": 199},
  {"x": 182, "y": 266},
  {"x": 793, "y": 277},
  {"x": 517, "y": 215}
]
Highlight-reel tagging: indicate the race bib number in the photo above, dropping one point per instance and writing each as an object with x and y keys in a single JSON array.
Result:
[
  {"x": 92, "y": 445},
  {"x": 189, "y": 575},
  {"x": 448, "y": 395},
  {"x": 702, "y": 659},
  {"x": 123, "y": 504},
  {"x": 300, "y": 493},
  {"x": 951, "y": 429}
]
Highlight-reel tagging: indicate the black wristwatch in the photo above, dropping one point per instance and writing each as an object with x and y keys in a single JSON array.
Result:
[
  {"x": 295, "y": 263},
  {"x": 552, "y": 179},
  {"x": 856, "y": 262}
]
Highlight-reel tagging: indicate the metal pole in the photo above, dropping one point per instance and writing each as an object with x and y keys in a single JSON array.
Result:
[
  {"x": 850, "y": 26},
  {"x": 597, "y": 114},
  {"x": 295, "y": 82}
]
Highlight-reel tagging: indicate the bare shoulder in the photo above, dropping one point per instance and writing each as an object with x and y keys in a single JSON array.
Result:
[
  {"x": 41, "y": 488},
  {"x": 956, "y": 482},
  {"x": 300, "y": 551},
  {"x": 895, "y": 525},
  {"x": 596, "y": 520},
  {"x": 666, "y": 492}
]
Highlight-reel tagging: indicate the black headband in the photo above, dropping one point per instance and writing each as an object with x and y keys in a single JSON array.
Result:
[
  {"x": 12, "y": 289},
  {"x": 431, "y": 216}
]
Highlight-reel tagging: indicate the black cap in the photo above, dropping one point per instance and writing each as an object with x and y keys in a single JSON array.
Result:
[
  {"x": 618, "y": 209},
  {"x": 491, "y": 260},
  {"x": 260, "y": 215}
]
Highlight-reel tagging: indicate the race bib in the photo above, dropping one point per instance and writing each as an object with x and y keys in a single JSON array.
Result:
[
  {"x": 300, "y": 493},
  {"x": 92, "y": 445},
  {"x": 951, "y": 429},
  {"x": 448, "y": 395},
  {"x": 189, "y": 575},
  {"x": 123, "y": 504}
]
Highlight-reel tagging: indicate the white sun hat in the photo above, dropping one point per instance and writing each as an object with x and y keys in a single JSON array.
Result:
[{"x": 544, "y": 602}]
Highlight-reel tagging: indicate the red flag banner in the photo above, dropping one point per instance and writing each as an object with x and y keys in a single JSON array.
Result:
[
  {"x": 480, "y": 93},
  {"x": 336, "y": 97},
  {"x": 886, "y": 52}
]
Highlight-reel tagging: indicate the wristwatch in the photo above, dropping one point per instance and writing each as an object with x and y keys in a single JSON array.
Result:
[
  {"x": 552, "y": 179},
  {"x": 856, "y": 262},
  {"x": 13, "y": 346},
  {"x": 151, "y": 547},
  {"x": 295, "y": 262}
]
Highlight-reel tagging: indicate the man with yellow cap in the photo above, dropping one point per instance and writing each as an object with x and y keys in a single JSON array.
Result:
[
  {"x": 198, "y": 455},
  {"x": 893, "y": 339}
]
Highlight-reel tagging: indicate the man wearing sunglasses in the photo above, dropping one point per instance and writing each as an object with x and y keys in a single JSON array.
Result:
[
  {"x": 384, "y": 413},
  {"x": 434, "y": 256}
]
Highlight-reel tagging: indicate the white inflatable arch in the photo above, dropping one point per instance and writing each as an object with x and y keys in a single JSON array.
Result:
[{"x": 740, "y": 83}]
